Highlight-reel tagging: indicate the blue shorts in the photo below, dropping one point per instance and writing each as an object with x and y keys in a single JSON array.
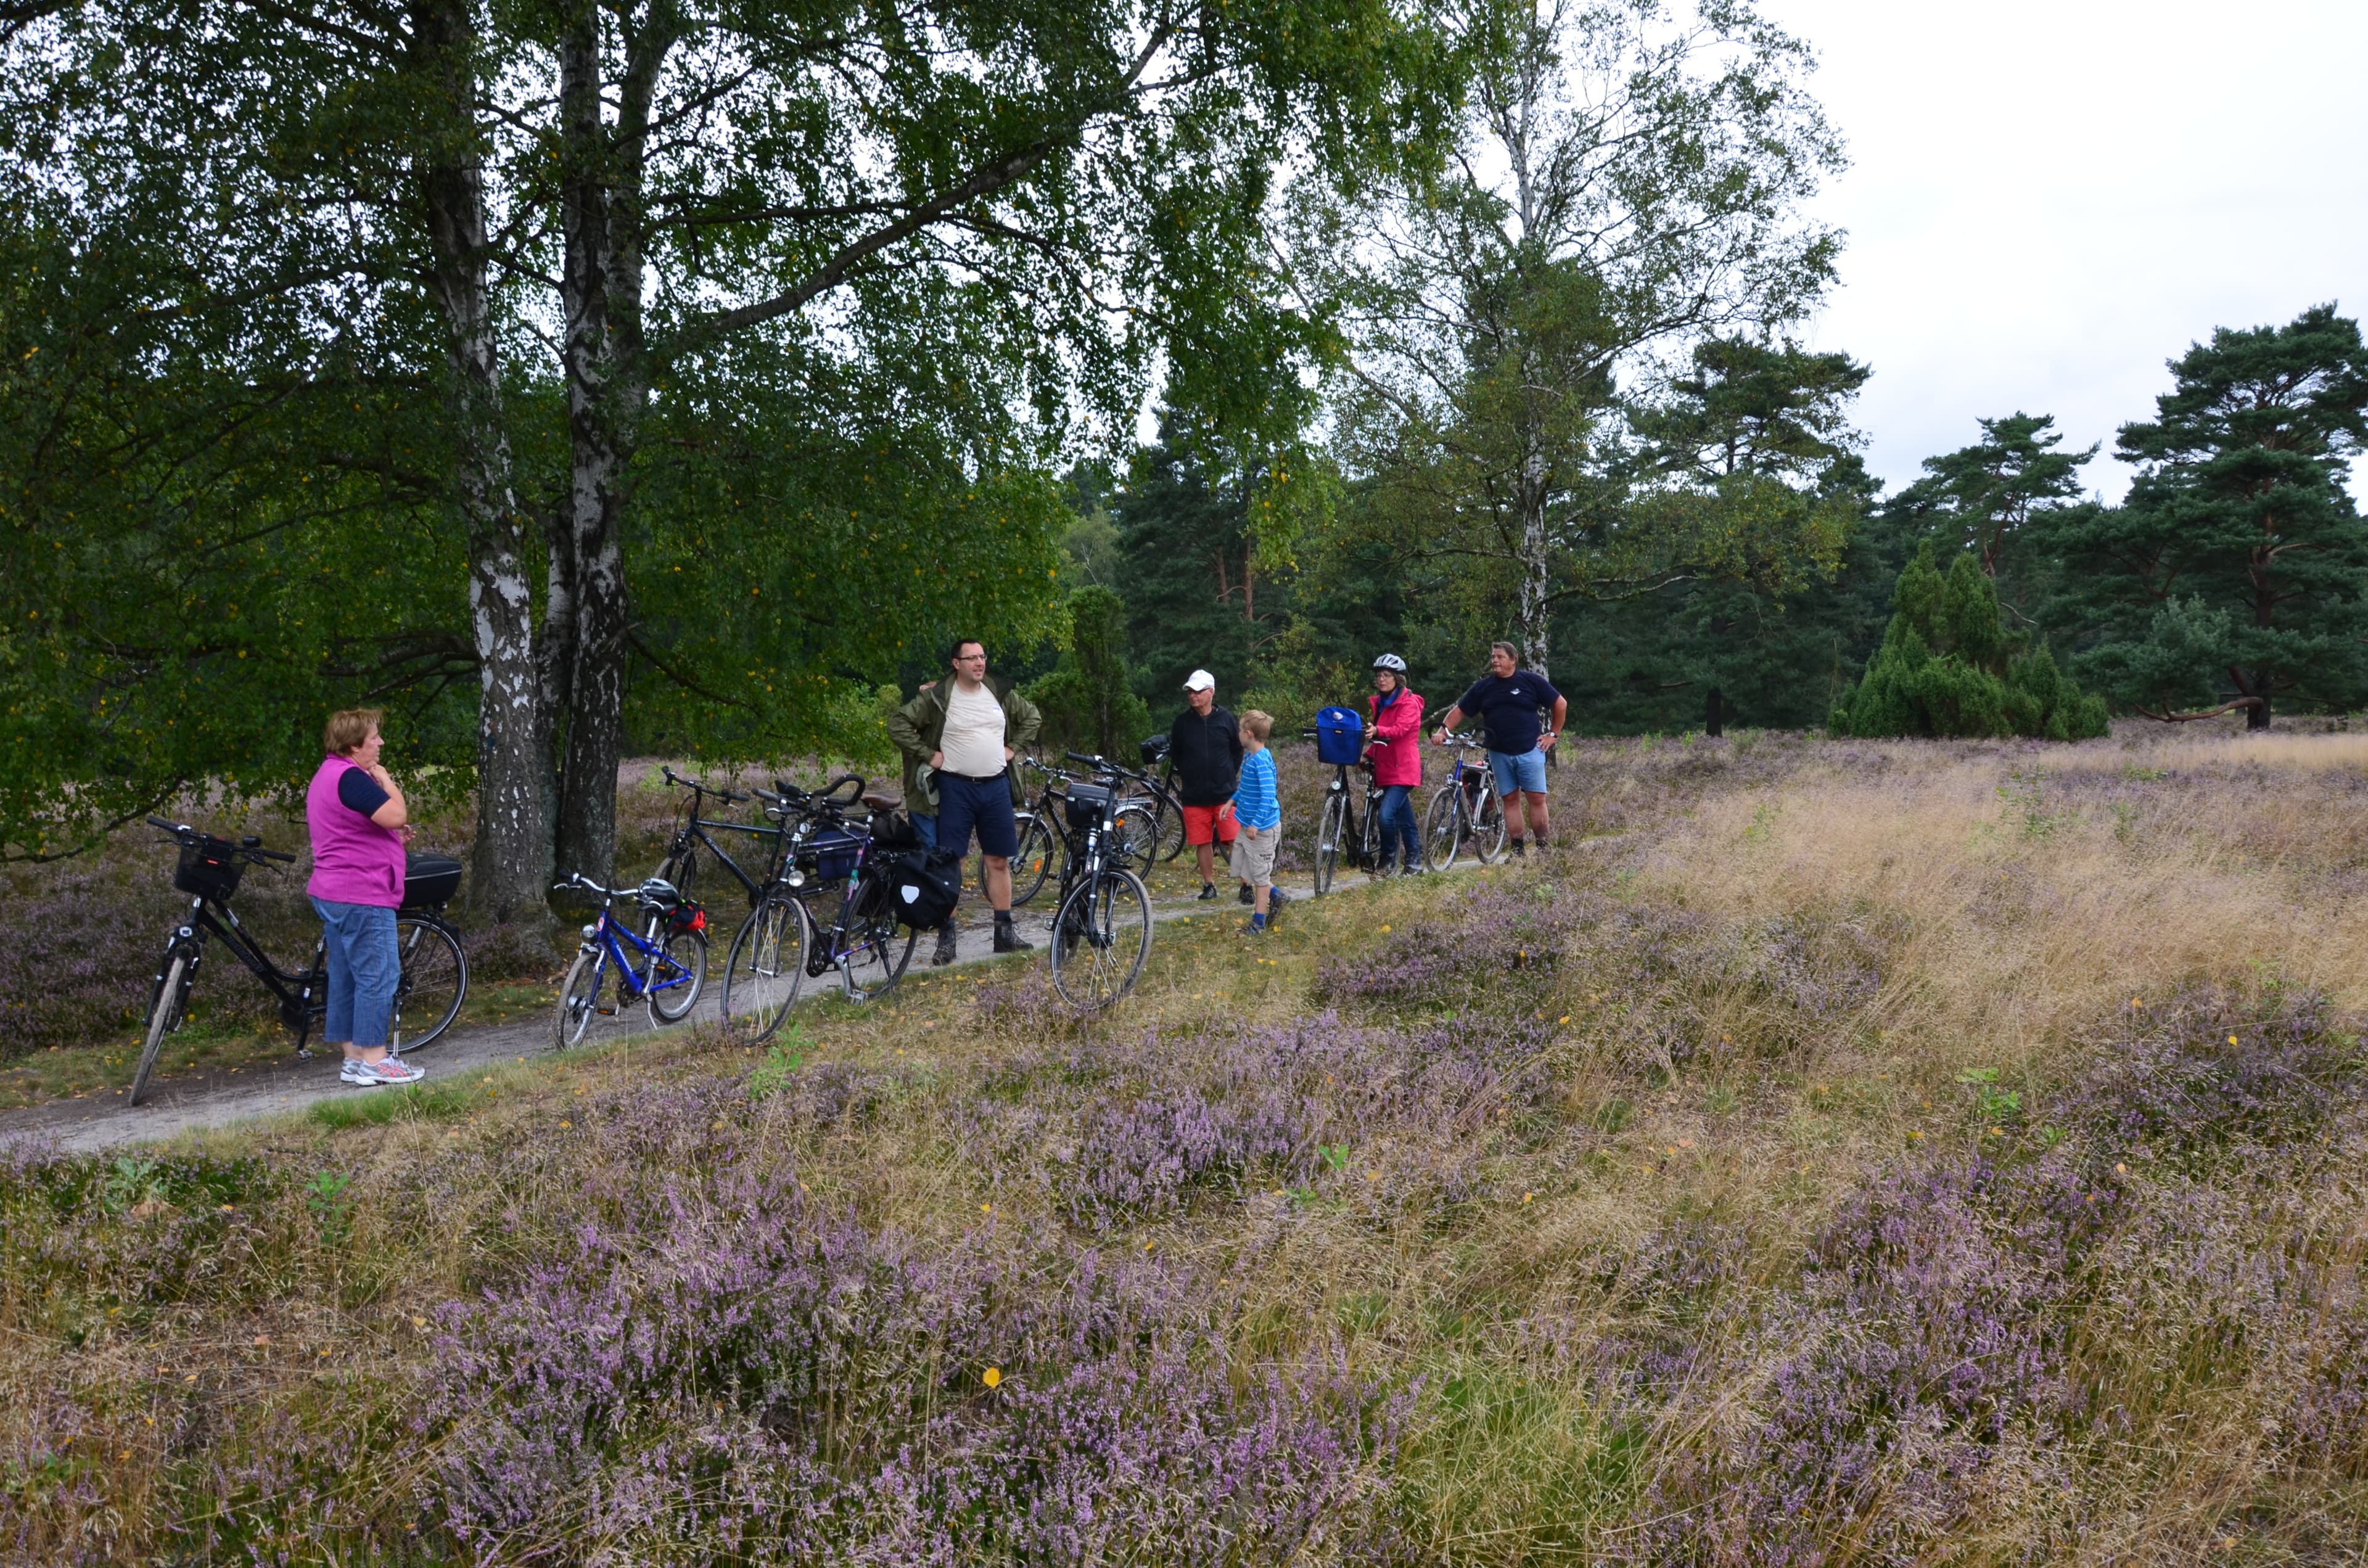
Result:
[
  {"x": 964, "y": 802},
  {"x": 1522, "y": 770}
]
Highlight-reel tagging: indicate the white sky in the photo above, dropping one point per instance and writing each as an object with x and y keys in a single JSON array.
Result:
[{"x": 2048, "y": 198}]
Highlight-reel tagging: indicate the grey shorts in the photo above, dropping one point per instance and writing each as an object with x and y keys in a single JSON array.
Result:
[{"x": 1253, "y": 854}]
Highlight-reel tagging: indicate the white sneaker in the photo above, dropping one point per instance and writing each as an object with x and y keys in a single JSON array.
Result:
[{"x": 389, "y": 1069}]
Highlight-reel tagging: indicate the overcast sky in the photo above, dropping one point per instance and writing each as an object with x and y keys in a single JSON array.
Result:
[{"x": 2048, "y": 198}]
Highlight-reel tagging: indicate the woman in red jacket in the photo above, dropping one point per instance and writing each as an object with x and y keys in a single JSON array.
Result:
[{"x": 1397, "y": 756}]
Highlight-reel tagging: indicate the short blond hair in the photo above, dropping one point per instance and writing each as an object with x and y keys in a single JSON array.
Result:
[
  {"x": 1259, "y": 724},
  {"x": 349, "y": 727}
]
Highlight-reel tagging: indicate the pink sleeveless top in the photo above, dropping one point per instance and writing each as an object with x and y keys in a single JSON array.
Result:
[{"x": 354, "y": 859}]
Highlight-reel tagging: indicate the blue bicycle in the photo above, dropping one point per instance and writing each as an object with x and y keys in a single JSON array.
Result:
[{"x": 665, "y": 968}]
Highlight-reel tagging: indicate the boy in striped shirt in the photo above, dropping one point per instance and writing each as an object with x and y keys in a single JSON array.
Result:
[{"x": 1259, "y": 813}]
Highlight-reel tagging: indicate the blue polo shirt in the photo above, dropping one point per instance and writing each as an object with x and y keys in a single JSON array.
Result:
[{"x": 1507, "y": 707}]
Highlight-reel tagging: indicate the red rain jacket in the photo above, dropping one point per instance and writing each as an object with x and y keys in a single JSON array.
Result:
[{"x": 1397, "y": 738}]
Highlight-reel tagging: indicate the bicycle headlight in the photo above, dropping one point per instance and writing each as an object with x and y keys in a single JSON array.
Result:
[
  {"x": 795, "y": 878},
  {"x": 590, "y": 932}
]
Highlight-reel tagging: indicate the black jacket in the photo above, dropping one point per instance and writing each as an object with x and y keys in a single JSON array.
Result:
[{"x": 1207, "y": 754}]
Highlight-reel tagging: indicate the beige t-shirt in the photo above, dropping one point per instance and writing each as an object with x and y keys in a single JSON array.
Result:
[{"x": 972, "y": 741}]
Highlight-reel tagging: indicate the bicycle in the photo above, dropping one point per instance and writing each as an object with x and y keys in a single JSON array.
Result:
[
  {"x": 673, "y": 965},
  {"x": 1166, "y": 839},
  {"x": 1040, "y": 847},
  {"x": 680, "y": 869},
  {"x": 783, "y": 945},
  {"x": 1338, "y": 825},
  {"x": 1101, "y": 928},
  {"x": 433, "y": 981},
  {"x": 1466, "y": 807}
]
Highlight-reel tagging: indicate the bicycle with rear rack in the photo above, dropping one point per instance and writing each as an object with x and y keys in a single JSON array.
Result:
[
  {"x": 830, "y": 862},
  {"x": 1101, "y": 927},
  {"x": 1166, "y": 840},
  {"x": 429, "y": 987},
  {"x": 665, "y": 968},
  {"x": 1465, "y": 810}
]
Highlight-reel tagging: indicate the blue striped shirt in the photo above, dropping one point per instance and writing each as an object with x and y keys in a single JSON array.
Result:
[{"x": 1254, "y": 797}]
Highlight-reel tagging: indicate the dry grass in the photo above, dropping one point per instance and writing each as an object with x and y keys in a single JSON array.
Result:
[{"x": 2005, "y": 905}]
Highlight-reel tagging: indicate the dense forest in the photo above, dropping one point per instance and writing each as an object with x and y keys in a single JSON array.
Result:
[{"x": 610, "y": 377}]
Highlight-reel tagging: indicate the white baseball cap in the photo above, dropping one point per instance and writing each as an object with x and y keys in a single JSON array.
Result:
[{"x": 1199, "y": 680}]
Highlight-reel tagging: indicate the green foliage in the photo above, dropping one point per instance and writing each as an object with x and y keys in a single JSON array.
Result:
[
  {"x": 782, "y": 1060},
  {"x": 2236, "y": 569},
  {"x": 1949, "y": 667},
  {"x": 1088, "y": 702},
  {"x": 1993, "y": 496}
]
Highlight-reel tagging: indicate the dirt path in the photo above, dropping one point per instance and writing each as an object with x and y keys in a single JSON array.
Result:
[{"x": 202, "y": 1101}]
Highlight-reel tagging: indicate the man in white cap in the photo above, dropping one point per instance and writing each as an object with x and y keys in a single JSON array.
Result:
[{"x": 1204, "y": 747}]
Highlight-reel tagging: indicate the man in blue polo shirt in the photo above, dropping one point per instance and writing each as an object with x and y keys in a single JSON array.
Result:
[{"x": 1506, "y": 701}]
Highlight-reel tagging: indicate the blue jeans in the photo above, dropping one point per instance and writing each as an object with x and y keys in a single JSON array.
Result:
[
  {"x": 1397, "y": 821},
  {"x": 1523, "y": 770},
  {"x": 363, "y": 968},
  {"x": 925, "y": 829}
]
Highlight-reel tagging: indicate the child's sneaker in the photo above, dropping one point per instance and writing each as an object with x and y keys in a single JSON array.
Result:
[{"x": 389, "y": 1069}]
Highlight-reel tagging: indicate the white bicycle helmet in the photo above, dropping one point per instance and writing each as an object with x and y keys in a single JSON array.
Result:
[{"x": 1391, "y": 663}]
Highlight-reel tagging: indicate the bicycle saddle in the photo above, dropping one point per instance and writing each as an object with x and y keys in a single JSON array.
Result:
[{"x": 879, "y": 801}]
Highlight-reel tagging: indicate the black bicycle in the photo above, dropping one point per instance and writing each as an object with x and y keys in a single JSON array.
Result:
[
  {"x": 1101, "y": 928},
  {"x": 1465, "y": 810},
  {"x": 680, "y": 869},
  {"x": 1040, "y": 840},
  {"x": 1166, "y": 839},
  {"x": 828, "y": 860},
  {"x": 428, "y": 995},
  {"x": 1340, "y": 828}
]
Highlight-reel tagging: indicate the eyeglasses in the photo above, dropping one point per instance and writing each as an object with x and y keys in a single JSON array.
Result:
[{"x": 966, "y": 658}]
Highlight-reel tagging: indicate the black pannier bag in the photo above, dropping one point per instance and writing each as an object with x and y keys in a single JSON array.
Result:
[
  {"x": 1155, "y": 751},
  {"x": 925, "y": 886},
  {"x": 429, "y": 882},
  {"x": 1086, "y": 804},
  {"x": 894, "y": 830},
  {"x": 208, "y": 868}
]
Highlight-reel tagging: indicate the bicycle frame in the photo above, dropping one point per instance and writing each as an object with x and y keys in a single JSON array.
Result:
[
  {"x": 295, "y": 992},
  {"x": 634, "y": 984},
  {"x": 694, "y": 832}
]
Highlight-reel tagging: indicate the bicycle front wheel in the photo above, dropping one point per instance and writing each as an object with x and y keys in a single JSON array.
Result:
[
  {"x": 1100, "y": 938},
  {"x": 435, "y": 980},
  {"x": 676, "y": 973},
  {"x": 767, "y": 965},
  {"x": 1442, "y": 830},
  {"x": 579, "y": 1000},
  {"x": 1488, "y": 826},
  {"x": 1331, "y": 828},
  {"x": 879, "y": 948},
  {"x": 163, "y": 1017}
]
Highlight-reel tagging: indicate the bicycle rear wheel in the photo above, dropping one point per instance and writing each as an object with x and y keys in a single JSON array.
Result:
[
  {"x": 1488, "y": 826},
  {"x": 163, "y": 1017},
  {"x": 766, "y": 965},
  {"x": 1369, "y": 839},
  {"x": 1100, "y": 938},
  {"x": 1442, "y": 830},
  {"x": 435, "y": 980},
  {"x": 881, "y": 949},
  {"x": 1171, "y": 828},
  {"x": 1331, "y": 827},
  {"x": 1039, "y": 851},
  {"x": 677, "y": 974},
  {"x": 579, "y": 1000},
  {"x": 1136, "y": 823}
]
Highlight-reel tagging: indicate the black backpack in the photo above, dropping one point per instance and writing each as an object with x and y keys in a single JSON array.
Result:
[{"x": 924, "y": 886}]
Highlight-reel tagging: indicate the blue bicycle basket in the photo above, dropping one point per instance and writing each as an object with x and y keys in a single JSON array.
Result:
[{"x": 1339, "y": 737}]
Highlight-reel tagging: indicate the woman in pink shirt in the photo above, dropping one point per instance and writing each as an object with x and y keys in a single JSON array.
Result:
[
  {"x": 357, "y": 815},
  {"x": 1396, "y": 756}
]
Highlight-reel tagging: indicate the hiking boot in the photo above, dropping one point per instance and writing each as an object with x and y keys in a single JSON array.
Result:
[
  {"x": 1008, "y": 938},
  {"x": 946, "y": 947},
  {"x": 1519, "y": 851},
  {"x": 1208, "y": 891}
]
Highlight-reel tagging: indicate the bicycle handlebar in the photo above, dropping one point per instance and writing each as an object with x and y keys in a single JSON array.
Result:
[
  {"x": 729, "y": 797},
  {"x": 253, "y": 853}
]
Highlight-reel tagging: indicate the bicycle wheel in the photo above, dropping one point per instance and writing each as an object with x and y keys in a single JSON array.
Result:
[
  {"x": 881, "y": 949},
  {"x": 1442, "y": 830},
  {"x": 1171, "y": 828},
  {"x": 1331, "y": 827},
  {"x": 677, "y": 972},
  {"x": 1488, "y": 826},
  {"x": 1101, "y": 936},
  {"x": 1039, "y": 851},
  {"x": 579, "y": 999},
  {"x": 1136, "y": 824},
  {"x": 163, "y": 1017},
  {"x": 1369, "y": 839},
  {"x": 766, "y": 965},
  {"x": 435, "y": 980}
]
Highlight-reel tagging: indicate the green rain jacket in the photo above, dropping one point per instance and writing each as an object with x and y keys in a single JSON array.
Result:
[{"x": 920, "y": 724}]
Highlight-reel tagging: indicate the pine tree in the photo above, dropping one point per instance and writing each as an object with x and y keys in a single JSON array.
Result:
[
  {"x": 1089, "y": 702},
  {"x": 1949, "y": 665}
]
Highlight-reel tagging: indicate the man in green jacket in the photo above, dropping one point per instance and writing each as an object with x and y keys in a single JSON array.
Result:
[{"x": 959, "y": 737}]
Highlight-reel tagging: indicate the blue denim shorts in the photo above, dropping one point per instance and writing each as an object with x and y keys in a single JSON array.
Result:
[{"x": 1523, "y": 770}]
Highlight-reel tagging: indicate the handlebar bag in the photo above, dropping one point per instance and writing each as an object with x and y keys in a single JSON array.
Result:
[
  {"x": 208, "y": 868},
  {"x": 429, "y": 882},
  {"x": 925, "y": 886},
  {"x": 1339, "y": 737},
  {"x": 832, "y": 853},
  {"x": 1153, "y": 750},
  {"x": 1086, "y": 804}
]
